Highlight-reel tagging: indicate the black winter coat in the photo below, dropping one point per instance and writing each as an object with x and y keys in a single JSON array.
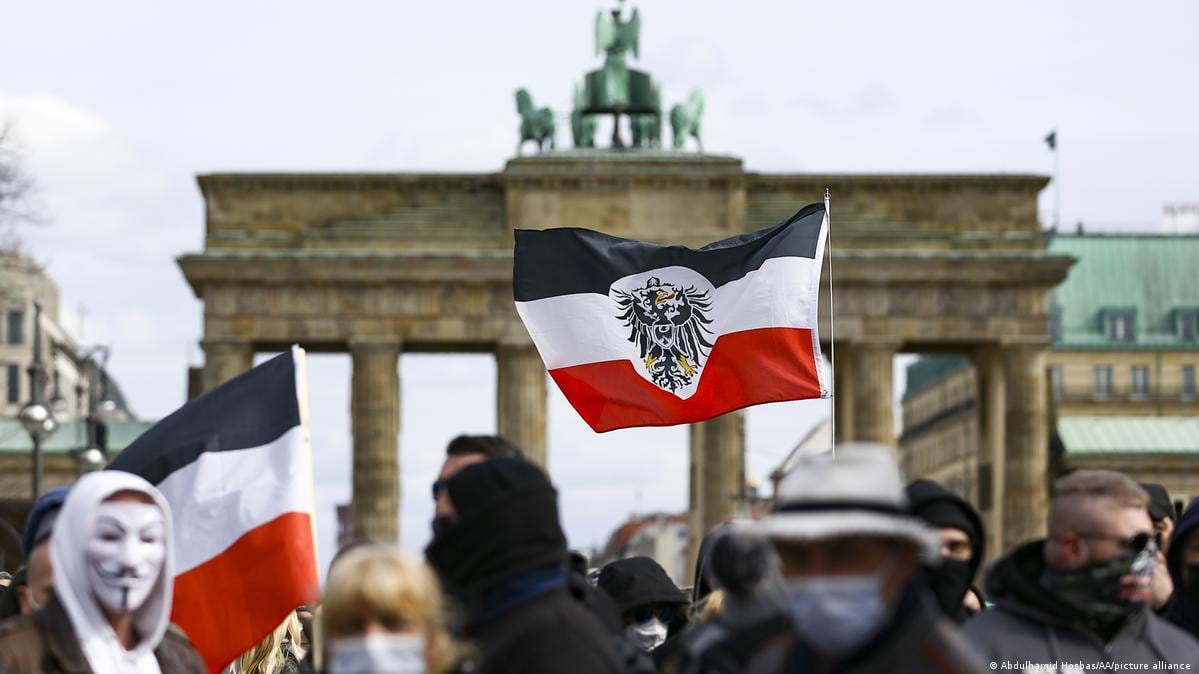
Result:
[{"x": 552, "y": 633}]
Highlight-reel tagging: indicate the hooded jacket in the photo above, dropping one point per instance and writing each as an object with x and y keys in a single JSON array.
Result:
[
  {"x": 503, "y": 558},
  {"x": 1182, "y": 609},
  {"x": 940, "y": 507},
  {"x": 1029, "y": 624},
  {"x": 72, "y": 634}
]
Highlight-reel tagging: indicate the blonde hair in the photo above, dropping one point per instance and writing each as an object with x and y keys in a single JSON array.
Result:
[
  {"x": 710, "y": 606},
  {"x": 269, "y": 656},
  {"x": 380, "y": 580}
]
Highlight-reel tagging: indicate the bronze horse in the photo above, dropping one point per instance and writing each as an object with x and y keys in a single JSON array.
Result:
[{"x": 536, "y": 124}]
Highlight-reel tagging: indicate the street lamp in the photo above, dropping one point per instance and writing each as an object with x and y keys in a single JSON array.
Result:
[{"x": 36, "y": 417}]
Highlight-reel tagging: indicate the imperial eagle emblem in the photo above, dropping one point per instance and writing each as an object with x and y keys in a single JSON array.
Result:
[{"x": 668, "y": 324}]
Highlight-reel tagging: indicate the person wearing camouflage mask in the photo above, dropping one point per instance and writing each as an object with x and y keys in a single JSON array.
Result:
[{"x": 1082, "y": 594}]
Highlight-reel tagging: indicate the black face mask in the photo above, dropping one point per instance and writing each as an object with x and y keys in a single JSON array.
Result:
[
  {"x": 1095, "y": 588},
  {"x": 949, "y": 583},
  {"x": 1191, "y": 586},
  {"x": 442, "y": 524}
]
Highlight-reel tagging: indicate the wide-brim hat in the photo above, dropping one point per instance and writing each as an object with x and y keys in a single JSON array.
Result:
[{"x": 855, "y": 490}]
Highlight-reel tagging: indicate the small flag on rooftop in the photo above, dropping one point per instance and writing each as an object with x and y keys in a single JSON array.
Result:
[
  {"x": 641, "y": 334},
  {"x": 1051, "y": 140}
]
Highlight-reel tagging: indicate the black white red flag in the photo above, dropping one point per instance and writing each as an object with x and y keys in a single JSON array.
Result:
[
  {"x": 641, "y": 334},
  {"x": 236, "y": 467}
]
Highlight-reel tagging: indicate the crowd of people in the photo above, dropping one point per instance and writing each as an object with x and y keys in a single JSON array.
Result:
[{"x": 851, "y": 572}]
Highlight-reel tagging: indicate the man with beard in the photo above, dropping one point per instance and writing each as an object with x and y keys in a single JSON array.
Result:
[
  {"x": 113, "y": 566},
  {"x": 963, "y": 542},
  {"x": 1082, "y": 594},
  {"x": 501, "y": 555}
]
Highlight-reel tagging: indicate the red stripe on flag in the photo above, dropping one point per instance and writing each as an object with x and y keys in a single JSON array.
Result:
[
  {"x": 230, "y": 603},
  {"x": 744, "y": 368}
]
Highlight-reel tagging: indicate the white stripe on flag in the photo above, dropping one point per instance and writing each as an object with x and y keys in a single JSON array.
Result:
[
  {"x": 583, "y": 328},
  {"x": 221, "y": 496}
]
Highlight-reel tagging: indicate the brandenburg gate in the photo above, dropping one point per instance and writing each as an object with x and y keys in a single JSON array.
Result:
[{"x": 376, "y": 265}]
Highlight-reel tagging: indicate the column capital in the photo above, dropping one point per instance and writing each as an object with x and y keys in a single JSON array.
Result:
[
  {"x": 374, "y": 344},
  {"x": 226, "y": 343},
  {"x": 515, "y": 344}
]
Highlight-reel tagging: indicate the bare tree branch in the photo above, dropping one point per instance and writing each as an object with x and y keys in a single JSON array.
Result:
[{"x": 16, "y": 190}]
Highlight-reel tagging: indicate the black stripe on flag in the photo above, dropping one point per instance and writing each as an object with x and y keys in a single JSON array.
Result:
[
  {"x": 570, "y": 260},
  {"x": 250, "y": 410}
]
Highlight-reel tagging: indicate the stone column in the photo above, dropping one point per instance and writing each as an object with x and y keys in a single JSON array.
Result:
[
  {"x": 874, "y": 403},
  {"x": 992, "y": 411},
  {"x": 843, "y": 398},
  {"x": 521, "y": 399},
  {"x": 723, "y": 442},
  {"x": 1026, "y": 465},
  {"x": 224, "y": 359},
  {"x": 375, "y": 419}
]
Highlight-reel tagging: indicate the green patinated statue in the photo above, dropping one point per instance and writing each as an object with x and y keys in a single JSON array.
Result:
[
  {"x": 647, "y": 128},
  {"x": 617, "y": 90},
  {"x": 685, "y": 118},
  {"x": 536, "y": 124},
  {"x": 582, "y": 126}
]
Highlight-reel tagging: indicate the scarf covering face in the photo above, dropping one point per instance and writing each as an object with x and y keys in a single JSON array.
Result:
[
  {"x": 72, "y": 585},
  {"x": 505, "y": 527}
]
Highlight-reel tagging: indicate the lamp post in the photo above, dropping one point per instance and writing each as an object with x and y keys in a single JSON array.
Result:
[{"x": 36, "y": 417}]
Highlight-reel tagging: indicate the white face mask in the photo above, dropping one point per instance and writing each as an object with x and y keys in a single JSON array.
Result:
[
  {"x": 125, "y": 554},
  {"x": 837, "y": 614},
  {"x": 647, "y": 635},
  {"x": 378, "y": 654}
]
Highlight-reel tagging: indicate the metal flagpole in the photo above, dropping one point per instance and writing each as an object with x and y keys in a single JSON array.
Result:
[{"x": 832, "y": 323}]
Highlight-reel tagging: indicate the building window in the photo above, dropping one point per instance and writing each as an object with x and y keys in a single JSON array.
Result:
[
  {"x": 1140, "y": 381},
  {"x": 1187, "y": 324},
  {"x": 1120, "y": 327},
  {"x": 14, "y": 383},
  {"x": 1103, "y": 381},
  {"x": 1188, "y": 381},
  {"x": 1055, "y": 380},
  {"x": 1055, "y": 328},
  {"x": 16, "y": 327}
]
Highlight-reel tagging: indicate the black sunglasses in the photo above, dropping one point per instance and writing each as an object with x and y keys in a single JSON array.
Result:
[
  {"x": 437, "y": 487},
  {"x": 644, "y": 614},
  {"x": 1136, "y": 543}
]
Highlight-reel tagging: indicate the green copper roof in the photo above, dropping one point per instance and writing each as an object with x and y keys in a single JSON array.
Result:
[
  {"x": 929, "y": 370},
  {"x": 1152, "y": 276},
  {"x": 70, "y": 435},
  {"x": 1129, "y": 435}
]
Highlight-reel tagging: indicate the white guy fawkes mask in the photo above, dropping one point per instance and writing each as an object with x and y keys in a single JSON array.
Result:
[{"x": 125, "y": 554}]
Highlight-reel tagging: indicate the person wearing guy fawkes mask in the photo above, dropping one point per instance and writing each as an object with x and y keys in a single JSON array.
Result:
[
  {"x": 850, "y": 554},
  {"x": 113, "y": 566},
  {"x": 961, "y": 531},
  {"x": 1082, "y": 594}
]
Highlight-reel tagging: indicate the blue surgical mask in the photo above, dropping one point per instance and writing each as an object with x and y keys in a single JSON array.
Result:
[
  {"x": 377, "y": 654},
  {"x": 837, "y": 614}
]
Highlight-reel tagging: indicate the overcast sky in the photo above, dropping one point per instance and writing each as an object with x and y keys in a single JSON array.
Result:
[{"x": 121, "y": 104}]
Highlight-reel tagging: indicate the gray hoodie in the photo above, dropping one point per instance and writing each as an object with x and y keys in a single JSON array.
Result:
[{"x": 1028, "y": 627}]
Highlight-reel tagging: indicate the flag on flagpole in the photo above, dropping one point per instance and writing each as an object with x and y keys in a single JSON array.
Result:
[
  {"x": 236, "y": 467},
  {"x": 641, "y": 334}
]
